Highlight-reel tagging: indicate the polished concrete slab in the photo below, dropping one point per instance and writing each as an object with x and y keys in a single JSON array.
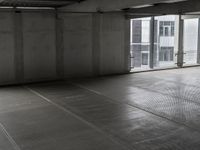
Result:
[{"x": 152, "y": 110}]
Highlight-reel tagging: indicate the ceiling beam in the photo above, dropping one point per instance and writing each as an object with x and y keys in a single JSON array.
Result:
[
  {"x": 37, "y": 3},
  {"x": 167, "y": 8}
]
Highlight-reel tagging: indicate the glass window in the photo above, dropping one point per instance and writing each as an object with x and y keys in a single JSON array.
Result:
[
  {"x": 161, "y": 31},
  {"x": 172, "y": 28},
  {"x": 166, "y": 54},
  {"x": 167, "y": 28},
  {"x": 190, "y": 45},
  {"x": 145, "y": 31},
  {"x": 167, "y": 23},
  {"x": 166, "y": 31},
  {"x": 145, "y": 58},
  {"x": 140, "y": 43}
]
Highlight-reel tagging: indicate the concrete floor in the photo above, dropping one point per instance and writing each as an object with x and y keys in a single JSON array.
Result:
[{"x": 145, "y": 111}]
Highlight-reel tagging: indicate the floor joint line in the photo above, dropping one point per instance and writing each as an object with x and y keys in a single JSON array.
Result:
[
  {"x": 112, "y": 138},
  {"x": 8, "y": 136},
  {"x": 143, "y": 109}
]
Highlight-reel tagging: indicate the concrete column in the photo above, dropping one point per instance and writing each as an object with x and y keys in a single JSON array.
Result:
[
  {"x": 152, "y": 43},
  {"x": 180, "y": 54},
  {"x": 127, "y": 61},
  {"x": 19, "y": 53},
  {"x": 59, "y": 46},
  {"x": 96, "y": 46},
  {"x": 198, "y": 46}
]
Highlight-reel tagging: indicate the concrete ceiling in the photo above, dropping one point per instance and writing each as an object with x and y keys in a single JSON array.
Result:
[
  {"x": 108, "y": 5},
  {"x": 184, "y": 7},
  {"x": 37, "y": 3},
  {"x": 133, "y": 7}
]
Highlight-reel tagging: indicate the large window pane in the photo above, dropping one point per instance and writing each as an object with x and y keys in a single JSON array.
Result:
[
  {"x": 190, "y": 40},
  {"x": 140, "y": 43},
  {"x": 165, "y": 41}
]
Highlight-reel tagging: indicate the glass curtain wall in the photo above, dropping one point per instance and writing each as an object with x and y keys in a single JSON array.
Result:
[
  {"x": 165, "y": 37},
  {"x": 140, "y": 43},
  {"x": 166, "y": 43},
  {"x": 190, "y": 41}
]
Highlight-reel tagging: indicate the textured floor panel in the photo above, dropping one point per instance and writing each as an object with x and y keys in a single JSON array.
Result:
[
  {"x": 179, "y": 90},
  {"x": 154, "y": 111},
  {"x": 48, "y": 129},
  {"x": 134, "y": 127},
  {"x": 173, "y": 100},
  {"x": 5, "y": 144},
  {"x": 17, "y": 98},
  {"x": 177, "y": 109}
]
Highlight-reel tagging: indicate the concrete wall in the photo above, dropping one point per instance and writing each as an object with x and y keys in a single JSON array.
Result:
[
  {"x": 7, "y": 48},
  {"x": 37, "y": 46},
  {"x": 27, "y": 47},
  {"x": 77, "y": 44},
  {"x": 112, "y": 44},
  {"x": 95, "y": 44}
]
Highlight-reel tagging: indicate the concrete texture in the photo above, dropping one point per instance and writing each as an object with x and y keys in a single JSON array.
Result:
[
  {"x": 112, "y": 44},
  {"x": 19, "y": 51},
  {"x": 41, "y": 46},
  {"x": 94, "y": 44},
  {"x": 7, "y": 48},
  {"x": 77, "y": 44},
  {"x": 154, "y": 111},
  {"x": 107, "y": 5}
]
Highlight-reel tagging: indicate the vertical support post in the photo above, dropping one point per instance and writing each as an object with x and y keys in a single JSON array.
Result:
[
  {"x": 180, "y": 54},
  {"x": 198, "y": 46},
  {"x": 127, "y": 61},
  {"x": 152, "y": 42},
  {"x": 19, "y": 53},
  {"x": 59, "y": 46}
]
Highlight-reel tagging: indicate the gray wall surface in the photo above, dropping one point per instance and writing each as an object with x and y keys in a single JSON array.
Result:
[
  {"x": 112, "y": 43},
  {"x": 7, "y": 48},
  {"x": 37, "y": 46},
  {"x": 77, "y": 44},
  {"x": 94, "y": 44}
]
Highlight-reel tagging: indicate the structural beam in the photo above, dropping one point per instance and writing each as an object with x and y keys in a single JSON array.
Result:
[
  {"x": 152, "y": 22},
  {"x": 180, "y": 54},
  {"x": 198, "y": 46},
  {"x": 38, "y": 3},
  {"x": 168, "y": 8},
  {"x": 19, "y": 52}
]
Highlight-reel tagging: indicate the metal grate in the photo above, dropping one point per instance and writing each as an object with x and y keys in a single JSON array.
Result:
[{"x": 37, "y": 3}]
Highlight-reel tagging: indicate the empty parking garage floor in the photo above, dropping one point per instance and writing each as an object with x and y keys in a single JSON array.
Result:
[{"x": 153, "y": 110}]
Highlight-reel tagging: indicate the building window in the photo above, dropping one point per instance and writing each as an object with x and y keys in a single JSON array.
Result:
[
  {"x": 145, "y": 58},
  {"x": 166, "y": 54},
  {"x": 167, "y": 28}
]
